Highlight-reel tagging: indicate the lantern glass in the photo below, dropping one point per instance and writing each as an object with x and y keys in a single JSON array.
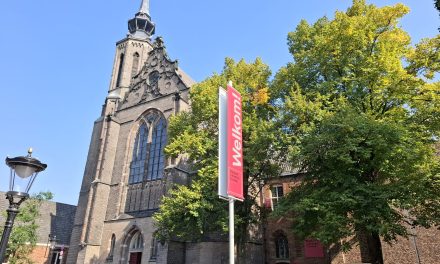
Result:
[
  {"x": 21, "y": 184},
  {"x": 24, "y": 171},
  {"x": 26, "y": 168}
]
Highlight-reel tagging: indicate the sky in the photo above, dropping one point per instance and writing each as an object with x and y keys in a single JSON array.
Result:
[{"x": 57, "y": 57}]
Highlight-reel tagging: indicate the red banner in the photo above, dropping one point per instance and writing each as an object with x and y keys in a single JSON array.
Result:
[
  {"x": 235, "y": 144},
  {"x": 313, "y": 248}
]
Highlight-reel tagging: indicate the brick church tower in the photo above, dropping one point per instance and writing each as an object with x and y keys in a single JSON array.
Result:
[{"x": 126, "y": 173}]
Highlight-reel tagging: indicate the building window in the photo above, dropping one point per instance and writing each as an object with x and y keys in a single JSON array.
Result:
[
  {"x": 148, "y": 159},
  {"x": 135, "y": 249},
  {"x": 112, "y": 248},
  {"x": 153, "y": 82},
  {"x": 276, "y": 194},
  {"x": 157, "y": 158},
  {"x": 136, "y": 243},
  {"x": 121, "y": 65},
  {"x": 134, "y": 68},
  {"x": 281, "y": 247},
  {"x": 153, "y": 78},
  {"x": 154, "y": 245},
  {"x": 140, "y": 150}
]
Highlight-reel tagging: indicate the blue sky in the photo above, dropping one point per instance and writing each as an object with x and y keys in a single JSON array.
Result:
[{"x": 57, "y": 57}]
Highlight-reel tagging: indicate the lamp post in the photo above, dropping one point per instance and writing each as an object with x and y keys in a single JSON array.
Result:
[
  {"x": 53, "y": 242},
  {"x": 27, "y": 169}
]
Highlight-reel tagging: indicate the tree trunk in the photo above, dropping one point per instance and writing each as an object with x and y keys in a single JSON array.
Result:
[{"x": 371, "y": 247}]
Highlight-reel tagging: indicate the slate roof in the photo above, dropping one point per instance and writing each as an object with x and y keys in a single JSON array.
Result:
[{"x": 55, "y": 218}]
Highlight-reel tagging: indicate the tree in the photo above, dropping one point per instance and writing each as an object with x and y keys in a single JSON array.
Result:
[
  {"x": 361, "y": 114},
  {"x": 24, "y": 234},
  {"x": 195, "y": 211},
  {"x": 437, "y": 5}
]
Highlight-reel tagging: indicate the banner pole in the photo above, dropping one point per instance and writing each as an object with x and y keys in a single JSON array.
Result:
[{"x": 231, "y": 231}]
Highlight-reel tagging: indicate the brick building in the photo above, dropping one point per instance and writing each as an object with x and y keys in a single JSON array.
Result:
[
  {"x": 56, "y": 220},
  {"x": 281, "y": 246}
]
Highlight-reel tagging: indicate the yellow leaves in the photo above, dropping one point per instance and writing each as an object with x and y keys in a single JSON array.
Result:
[
  {"x": 388, "y": 15},
  {"x": 358, "y": 8},
  {"x": 425, "y": 58},
  {"x": 431, "y": 92},
  {"x": 360, "y": 55},
  {"x": 260, "y": 97}
]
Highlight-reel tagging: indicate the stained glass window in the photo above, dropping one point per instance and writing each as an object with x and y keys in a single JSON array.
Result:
[
  {"x": 148, "y": 160},
  {"x": 157, "y": 158},
  {"x": 140, "y": 151}
]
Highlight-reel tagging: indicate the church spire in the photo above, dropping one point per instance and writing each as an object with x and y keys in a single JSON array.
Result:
[
  {"x": 141, "y": 25},
  {"x": 145, "y": 7}
]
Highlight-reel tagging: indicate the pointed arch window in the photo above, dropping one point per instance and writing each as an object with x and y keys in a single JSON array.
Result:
[
  {"x": 281, "y": 247},
  {"x": 148, "y": 159},
  {"x": 140, "y": 150},
  {"x": 132, "y": 247},
  {"x": 157, "y": 158},
  {"x": 137, "y": 242},
  {"x": 112, "y": 248},
  {"x": 120, "y": 68},
  {"x": 134, "y": 68},
  {"x": 154, "y": 248}
]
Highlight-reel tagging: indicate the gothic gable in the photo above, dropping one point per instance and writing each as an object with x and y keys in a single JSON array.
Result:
[{"x": 159, "y": 77}]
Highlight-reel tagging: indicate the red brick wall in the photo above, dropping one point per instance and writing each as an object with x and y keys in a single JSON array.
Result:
[
  {"x": 41, "y": 254},
  {"x": 283, "y": 225},
  {"x": 402, "y": 252}
]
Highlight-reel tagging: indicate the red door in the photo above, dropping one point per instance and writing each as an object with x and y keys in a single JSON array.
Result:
[{"x": 135, "y": 258}]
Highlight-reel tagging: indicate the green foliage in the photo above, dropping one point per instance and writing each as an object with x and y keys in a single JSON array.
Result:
[
  {"x": 24, "y": 233},
  {"x": 357, "y": 109},
  {"x": 362, "y": 172},
  {"x": 190, "y": 212},
  {"x": 361, "y": 115}
]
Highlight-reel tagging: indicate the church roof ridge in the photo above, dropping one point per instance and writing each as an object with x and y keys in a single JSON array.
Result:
[{"x": 185, "y": 78}]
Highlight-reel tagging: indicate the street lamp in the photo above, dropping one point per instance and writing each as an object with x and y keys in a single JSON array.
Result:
[
  {"x": 52, "y": 241},
  {"x": 26, "y": 168}
]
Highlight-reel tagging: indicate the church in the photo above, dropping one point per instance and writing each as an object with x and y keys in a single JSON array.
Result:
[{"x": 127, "y": 172}]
